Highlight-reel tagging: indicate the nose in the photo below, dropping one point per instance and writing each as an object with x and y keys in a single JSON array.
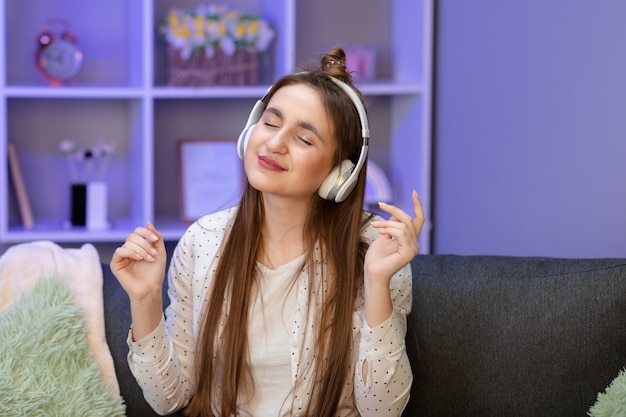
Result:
[{"x": 277, "y": 142}]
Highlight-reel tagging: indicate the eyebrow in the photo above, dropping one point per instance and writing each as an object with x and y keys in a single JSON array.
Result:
[{"x": 305, "y": 125}]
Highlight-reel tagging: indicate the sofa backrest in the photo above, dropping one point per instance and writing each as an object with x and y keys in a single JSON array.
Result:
[
  {"x": 510, "y": 336},
  {"x": 488, "y": 335}
]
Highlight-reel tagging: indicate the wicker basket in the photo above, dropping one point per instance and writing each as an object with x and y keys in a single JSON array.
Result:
[{"x": 241, "y": 68}]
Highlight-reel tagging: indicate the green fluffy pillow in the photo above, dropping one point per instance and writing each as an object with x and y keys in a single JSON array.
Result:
[
  {"x": 47, "y": 366},
  {"x": 611, "y": 403}
]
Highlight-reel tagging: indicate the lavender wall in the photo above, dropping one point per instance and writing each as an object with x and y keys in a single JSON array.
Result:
[{"x": 530, "y": 128}]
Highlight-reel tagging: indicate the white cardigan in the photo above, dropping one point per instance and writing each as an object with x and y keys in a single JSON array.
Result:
[{"x": 163, "y": 362}]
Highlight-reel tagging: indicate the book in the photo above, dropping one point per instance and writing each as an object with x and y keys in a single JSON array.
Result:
[{"x": 23, "y": 202}]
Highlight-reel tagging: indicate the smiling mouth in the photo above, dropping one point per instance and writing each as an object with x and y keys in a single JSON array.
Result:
[{"x": 270, "y": 164}]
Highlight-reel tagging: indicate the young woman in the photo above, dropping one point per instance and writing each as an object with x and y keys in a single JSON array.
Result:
[{"x": 294, "y": 302}]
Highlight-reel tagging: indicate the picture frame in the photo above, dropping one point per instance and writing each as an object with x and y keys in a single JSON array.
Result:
[{"x": 211, "y": 176}]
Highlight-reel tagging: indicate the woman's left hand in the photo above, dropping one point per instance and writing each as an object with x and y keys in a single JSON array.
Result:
[{"x": 397, "y": 242}]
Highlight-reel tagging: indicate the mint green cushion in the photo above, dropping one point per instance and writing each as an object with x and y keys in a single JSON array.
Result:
[
  {"x": 47, "y": 367},
  {"x": 611, "y": 402}
]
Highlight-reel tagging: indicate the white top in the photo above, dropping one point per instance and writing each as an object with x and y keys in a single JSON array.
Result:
[
  {"x": 163, "y": 361},
  {"x": 271, "y": 318}
]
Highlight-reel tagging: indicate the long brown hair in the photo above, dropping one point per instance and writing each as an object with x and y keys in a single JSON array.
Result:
[{"x": 222, "y": 369}]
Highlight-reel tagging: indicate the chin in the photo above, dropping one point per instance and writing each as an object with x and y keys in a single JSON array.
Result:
[{"x": 262, "y": 185}]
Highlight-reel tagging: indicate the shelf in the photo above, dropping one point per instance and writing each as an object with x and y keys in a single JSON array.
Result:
[
  {"x": 388, "y": 88},
  {"x": 110, "y": 35},
  {"x": 58, "y": 232},
  {"x": 121, "y": 93},
  {"x": 370, "y": 88},
  {"x": 209, "y": 92},
  {"x": 74, "y": 92}
]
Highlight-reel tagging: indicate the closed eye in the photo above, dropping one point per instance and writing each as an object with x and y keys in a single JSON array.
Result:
[{"x": 303, "y": 140}]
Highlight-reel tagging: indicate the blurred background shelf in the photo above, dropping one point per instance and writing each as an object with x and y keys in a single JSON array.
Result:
[{"x": 121, "y": 93}]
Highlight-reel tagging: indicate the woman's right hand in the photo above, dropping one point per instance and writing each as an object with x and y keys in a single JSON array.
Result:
[{"x": 139, "y": 264}]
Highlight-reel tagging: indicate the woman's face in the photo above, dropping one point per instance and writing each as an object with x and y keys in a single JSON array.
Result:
[{"x": 291, "y": 148}]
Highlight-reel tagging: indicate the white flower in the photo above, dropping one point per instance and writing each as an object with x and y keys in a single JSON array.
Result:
[
  {"x": 260, "y": 34},
  {"x": 212, "y": 26},
  {"x": 106, "y": 147},
  {"x": 67, "y": 146},
  {"x": 83, "y": 161},
  {"x": 228, "y": 46}
]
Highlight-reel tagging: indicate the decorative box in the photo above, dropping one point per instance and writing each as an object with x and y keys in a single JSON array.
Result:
[{"x": 240, "y": 68}]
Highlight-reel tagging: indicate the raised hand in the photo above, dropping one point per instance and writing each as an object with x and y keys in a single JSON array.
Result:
[
  {"x": 397, "y": 242},
  {"x": 139, "y": 264}
]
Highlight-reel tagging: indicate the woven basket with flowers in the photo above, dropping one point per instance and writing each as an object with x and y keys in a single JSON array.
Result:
[{"x": 211, "y": 45}]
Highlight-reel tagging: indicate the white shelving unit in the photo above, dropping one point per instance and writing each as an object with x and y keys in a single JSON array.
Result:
[{"x": 121, "y": 93}]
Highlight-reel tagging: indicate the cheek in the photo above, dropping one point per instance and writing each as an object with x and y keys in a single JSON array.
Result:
[
  {"x": 317, "y": 169},
  {"x": 252, "y": 147},
  {"x": 252, "y": 139},
  {"x": 249, "y": 160}
]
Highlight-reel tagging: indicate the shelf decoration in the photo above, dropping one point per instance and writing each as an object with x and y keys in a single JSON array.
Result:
[
  {"x": 212, "y": 45},
  {"x": 211, "y": 177},
  {"x": 361, "y": 61},
  {"x": 58, "y": 58},
  {"x": 23, "y": 201},
  {"x": 88, "y": 196}
]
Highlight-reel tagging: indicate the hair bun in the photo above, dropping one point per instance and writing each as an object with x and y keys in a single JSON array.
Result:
[{"x": 333, "y": 63}]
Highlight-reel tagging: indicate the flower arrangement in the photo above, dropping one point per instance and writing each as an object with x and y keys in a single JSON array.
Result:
[
  {"x": 87, "y": 163},
  {"x": 212, "y": 27}
]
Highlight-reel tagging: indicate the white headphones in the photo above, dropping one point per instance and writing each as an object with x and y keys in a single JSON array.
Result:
[{"x": 342, "y": 179}]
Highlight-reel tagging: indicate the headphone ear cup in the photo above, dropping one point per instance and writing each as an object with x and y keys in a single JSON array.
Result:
[
  {"x": 338, "y": 183},
  {"x": 253, "y": 118},
  {"x": 242, "y": 142}
]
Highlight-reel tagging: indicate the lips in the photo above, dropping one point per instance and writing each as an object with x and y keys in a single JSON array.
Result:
[{"x": 269, "y": 164}]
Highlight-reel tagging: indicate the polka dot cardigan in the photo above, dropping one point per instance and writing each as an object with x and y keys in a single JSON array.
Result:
[{"x": 162, "y": 362}]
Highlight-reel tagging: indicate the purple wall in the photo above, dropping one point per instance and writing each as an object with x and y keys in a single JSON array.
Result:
[{"x": 530, "y": 128}]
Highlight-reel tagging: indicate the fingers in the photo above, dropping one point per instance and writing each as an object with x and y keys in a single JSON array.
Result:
[
  {"x": 414, "y": 224},
  {"x": 144, "y": 243},
  {"x": 418, "y": 210},
  {"x": 156, "y": 235}
]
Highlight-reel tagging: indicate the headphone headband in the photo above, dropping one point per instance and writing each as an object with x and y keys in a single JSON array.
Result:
[{"x": 365, "y": 129}]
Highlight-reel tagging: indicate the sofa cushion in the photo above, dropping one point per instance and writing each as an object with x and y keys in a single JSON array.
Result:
[
  {"x": 47, "y": 366},
  {"x": 503, "y": 336},
  {"x": 611, "y": 402}
]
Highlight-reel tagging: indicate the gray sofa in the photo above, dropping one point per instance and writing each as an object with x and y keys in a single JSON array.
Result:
[{"x": 488, "y": 335}]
